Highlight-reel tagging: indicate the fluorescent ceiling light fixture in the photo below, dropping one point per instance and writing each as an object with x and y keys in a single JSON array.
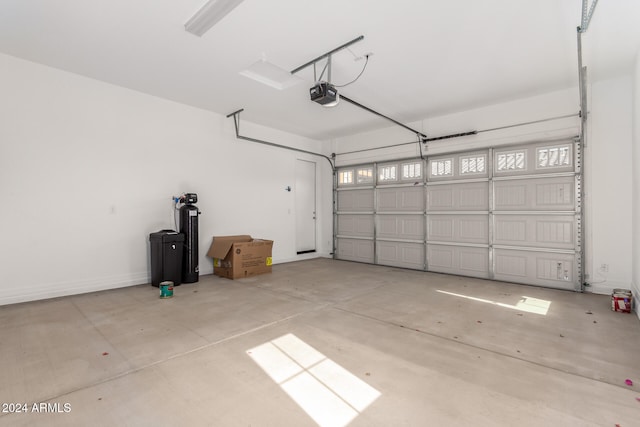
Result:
[
  {"x": 212, "y": 12},
  {"x": 271, "y": 75}
]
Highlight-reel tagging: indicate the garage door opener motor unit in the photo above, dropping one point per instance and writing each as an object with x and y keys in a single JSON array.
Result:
[{"x": 324, "y": 94}]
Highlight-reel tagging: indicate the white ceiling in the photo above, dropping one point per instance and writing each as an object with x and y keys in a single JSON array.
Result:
[{"x": 430, "y": 57}]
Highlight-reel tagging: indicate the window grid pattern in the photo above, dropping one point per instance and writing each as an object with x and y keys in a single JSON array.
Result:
[
  {"x": 345, "y": 177},
  {"x": 550, "y": 157},
  {"x": 512, "y": 161},
  {"x": 473, "y": 164},
  {"x": 364, "y": 176},
  {"x": 387, "y": 173},
  {"x": 441, "y": 167},
  {"x": 412, "y": 170}
]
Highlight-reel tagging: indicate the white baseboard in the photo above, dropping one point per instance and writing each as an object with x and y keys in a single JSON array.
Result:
[
  {"x": 606, "y": 288},
  {"x": 302, "y": 257},
  {"x": 206, "y": 271},
  {"x": 60, "y": 289}
]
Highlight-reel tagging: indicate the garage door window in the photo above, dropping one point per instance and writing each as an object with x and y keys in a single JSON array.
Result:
[
  {"x": 515, "y": 160},
  {"x": 345, "y": 177},
  {"x": 388, "y": 173},
  {"x": 441, "y": 167},
  {"x": 412, "y": 170},
  {"x": 550, "y": 157},
  {"x": 365, "y": 176},
  {"x": 472, "y": 164}
]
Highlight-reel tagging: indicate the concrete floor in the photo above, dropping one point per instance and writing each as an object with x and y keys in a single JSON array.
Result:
[{"x": 403, "y": 348}]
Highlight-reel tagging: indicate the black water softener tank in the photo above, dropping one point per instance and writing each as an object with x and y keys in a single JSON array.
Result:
[{"x": 189, "y": 227}]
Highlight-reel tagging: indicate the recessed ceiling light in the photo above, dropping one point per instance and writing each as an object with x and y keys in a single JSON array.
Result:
[
  {"x": 212, "y": 12},
  {"x": 271, "y": 75}
]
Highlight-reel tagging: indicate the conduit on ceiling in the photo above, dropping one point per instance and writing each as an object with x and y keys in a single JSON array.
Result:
[{"x": 236, "y": 121}]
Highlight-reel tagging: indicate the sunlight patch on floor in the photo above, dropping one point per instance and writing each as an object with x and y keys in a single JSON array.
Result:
[
  {"x": 527, "y": 304},
  {"x": 331, "y": 395}
]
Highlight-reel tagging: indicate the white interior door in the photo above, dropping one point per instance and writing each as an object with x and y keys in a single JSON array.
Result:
[{"x": 305, "y": 194}]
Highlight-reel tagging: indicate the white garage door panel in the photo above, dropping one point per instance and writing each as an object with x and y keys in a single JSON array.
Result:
[
  {"x": 401, "y": 199},
  {"x": 407, "y": 227},
  {"x": 461, "y": 260},
  {"x": 401, "y": 254},
  {"x": 355, "y": 225},
  {"x": 449, "y": 197},
  {"x": 549, "y": 194},
  {"x": 355, "y": 200},
  {"x": 543, "y": 231},
  {"x": 555, "y": 270},
  {"x": 355, "y": 250},
  {"x": 510, "y": 213},
  {"x": 458, "y": 228}
]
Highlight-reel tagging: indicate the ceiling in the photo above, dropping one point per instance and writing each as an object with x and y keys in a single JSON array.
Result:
[{"x": 430, "y": 57}]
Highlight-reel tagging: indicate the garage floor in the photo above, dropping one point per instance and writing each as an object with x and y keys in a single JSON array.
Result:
[{"x": 321, "y": 342}]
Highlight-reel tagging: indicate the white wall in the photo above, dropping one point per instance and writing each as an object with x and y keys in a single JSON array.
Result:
[
  {"x": 607, "y": 169},
  {"x": 87, "y": 171},
  {"x": 636, "y": 185},
  {"x": 609, "y": 191}
]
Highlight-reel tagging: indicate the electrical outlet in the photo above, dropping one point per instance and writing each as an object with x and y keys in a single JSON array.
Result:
[{"x": 604, "y": 268}]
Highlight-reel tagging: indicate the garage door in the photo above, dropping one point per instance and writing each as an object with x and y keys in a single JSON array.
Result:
[
  {"x": 458, "y": 214},
  {"x": 354, "y": 225},
  {"x": 510, "y": 214},
  {"x": 536, "y": 215}
]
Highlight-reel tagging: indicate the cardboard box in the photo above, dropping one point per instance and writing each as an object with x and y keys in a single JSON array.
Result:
[{"x": 235, "y": 257}]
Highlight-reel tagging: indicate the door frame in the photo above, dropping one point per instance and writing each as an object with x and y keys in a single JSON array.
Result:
[{"x": 300, "y": 248}]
